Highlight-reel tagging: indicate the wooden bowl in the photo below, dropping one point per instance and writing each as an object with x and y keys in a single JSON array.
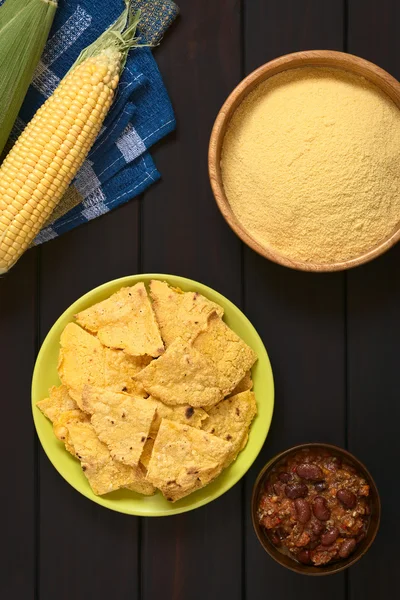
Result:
[
  {"x": 341, "y": 564},
  {"x": 320, "y": 58}
]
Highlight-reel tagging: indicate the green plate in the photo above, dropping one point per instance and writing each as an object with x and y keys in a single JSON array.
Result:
[{"x": 45, "y": 375}]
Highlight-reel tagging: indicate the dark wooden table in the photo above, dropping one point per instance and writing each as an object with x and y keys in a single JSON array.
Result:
[{"x": 331, "y": 340}]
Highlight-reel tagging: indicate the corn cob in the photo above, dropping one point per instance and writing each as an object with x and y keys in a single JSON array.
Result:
[
  {"x": 19, "y": 54},
  {"x": 53, "y": 146}
]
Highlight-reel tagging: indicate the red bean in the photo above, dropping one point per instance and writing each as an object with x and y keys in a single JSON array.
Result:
[
  {"x": 361, "y": 537},
  {"x": 304, "y": 557},
  {"x": 284, "y": 477},
  {"x": 303, "y": 510},
  {"x": 317, "y": 527},
  {"x": 296, "y": 490},
  {"x": 320, "y": 508},
  {"x": 322, "y": 548},
  {"x": 330, "y": 536},
  {"x": 347, "y": 498},
  {"x": 309, "y": 471},
  {"x": 347, "y": 547},
  {"x": 279, "y": 488}
]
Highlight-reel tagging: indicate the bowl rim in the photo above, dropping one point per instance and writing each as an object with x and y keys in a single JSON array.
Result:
[
  {"x": 327, "y": 58},
  {"x": 338, "y": 566},
  {"x": 174, "y": 280}
]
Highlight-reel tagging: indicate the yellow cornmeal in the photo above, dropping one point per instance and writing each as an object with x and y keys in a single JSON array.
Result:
[{"x": 311, "y": 164}]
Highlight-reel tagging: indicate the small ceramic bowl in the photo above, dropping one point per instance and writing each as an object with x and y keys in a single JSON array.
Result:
[
  {"x": 341, "y": 564},
  {"x": 317, "y": 58}
]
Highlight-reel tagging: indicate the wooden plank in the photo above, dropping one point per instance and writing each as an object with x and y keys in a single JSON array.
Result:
[
  {"x": 198, "y": 554},
  {"x": 183, "y": 231},
  {"x": 78, "y": 261},
  {"x": 373, "y": 334},
  {"x": 300, "y": 316},
  {"x": 85, "y": 549},
  {"x": 17, "y": 441},
  {"x": 374, "y": 411},
  {"x": 281, "y": 26}
]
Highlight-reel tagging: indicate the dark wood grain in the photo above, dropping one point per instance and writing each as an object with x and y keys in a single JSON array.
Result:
[
  {"x": 373, "y": 334},
  {"x": 196, "y": 555},
  {"x": 17, "y": 440},
  {"x": 86, "y": 257},
  {"x": 374, "y": 409},
  {"x": 278, "y": 27},
  {"x": 300, "y": 316},
  {"x": 85, "y": 550}
]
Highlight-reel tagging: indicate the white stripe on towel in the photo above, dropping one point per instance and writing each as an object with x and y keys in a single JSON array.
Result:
[{"x": 130, "y": 143}]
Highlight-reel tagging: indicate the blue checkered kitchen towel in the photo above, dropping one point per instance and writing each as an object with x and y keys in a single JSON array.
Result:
[{"x": 119, "y": 165}]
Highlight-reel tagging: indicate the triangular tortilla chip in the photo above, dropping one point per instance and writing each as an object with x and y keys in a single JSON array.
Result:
[
  {"x": 126, "y": 321},
  {"x": 58, "y": 402},
  {"x": 103, "y": 473},
  {"x": 182, "y": 375},
  {"x": 120, "y": 421},
  {"x": 244, "y": 385},
  {"x": 185, "y": 459},
  {"x": 231, "y": 356},
  {"x": 81, "y": 360},
  {"x": 184, "y": 413},
  {"x": 60, "y": 426},
  {"x": 180, "y": 314},
  {"x": 84, "y": 361},
  {"x": 230, "y": 420}
]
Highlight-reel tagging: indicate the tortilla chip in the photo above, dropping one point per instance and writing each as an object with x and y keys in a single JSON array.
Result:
[
  {"x": 140, "y": 485},
  {"x": 126, "y": 321},
  {"x": 180, "y": 314},
  {"x": 81, "y": 360},
  {"x": 147, "y": 451},
  {"x": 103, "y": 473},
  {"x": 230, "y": 420},
  {"x": 119, "y": 369},
  {"x": 244, "y": 384},
  {"x": 181, "y": 414},
  {"x": 231, "y": 356},
  {"x": 121, "y": 422},
  {"x": 85, "y": 361},
  {"x": 60, "y": 426},
  {"x": 185, "y": 459},
  {"x": 58, "y": 402},
  {"x": 182, "y": 375}
]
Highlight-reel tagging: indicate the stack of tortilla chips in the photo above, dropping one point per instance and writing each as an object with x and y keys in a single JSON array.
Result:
[{"x": 155, "y": 391}]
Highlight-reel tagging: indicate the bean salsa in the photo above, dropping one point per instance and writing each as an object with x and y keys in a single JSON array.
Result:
[{"x": 315, "y": 507}]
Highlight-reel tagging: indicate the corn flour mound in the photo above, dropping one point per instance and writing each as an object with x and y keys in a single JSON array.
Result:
[{"x": 311, "y": 164}]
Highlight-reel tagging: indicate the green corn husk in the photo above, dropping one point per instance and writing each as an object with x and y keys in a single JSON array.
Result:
[
  {"x": 9, "y": 9},
  {"x": 24, "y": 28}
]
